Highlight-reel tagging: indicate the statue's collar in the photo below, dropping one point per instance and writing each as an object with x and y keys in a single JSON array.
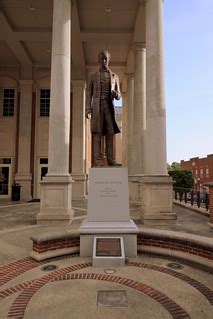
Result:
[{"x": 104, "y": 70}]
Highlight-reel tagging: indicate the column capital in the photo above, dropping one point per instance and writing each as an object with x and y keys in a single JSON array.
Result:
[
  {"x": 26, "y": 82},
  {"x": 81, "y": 83},
  {"x": 139, "y": 46},
  {"x": 129, "y": 75},
  {"x": 144, "y": 2}
]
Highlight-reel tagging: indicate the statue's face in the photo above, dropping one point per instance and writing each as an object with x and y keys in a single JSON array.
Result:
[{"x": 104, "y": 60}]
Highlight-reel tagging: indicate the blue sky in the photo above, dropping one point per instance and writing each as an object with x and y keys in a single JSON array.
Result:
[{"x": 188, "y": 43}]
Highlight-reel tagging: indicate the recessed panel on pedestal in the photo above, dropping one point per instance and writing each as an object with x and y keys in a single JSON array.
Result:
[{"x": 108, "y": 198}]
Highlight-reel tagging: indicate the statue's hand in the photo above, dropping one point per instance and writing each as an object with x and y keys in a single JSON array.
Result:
[
  {"x": 114, "y": 94},
  {"x": 88, "y": 114}
]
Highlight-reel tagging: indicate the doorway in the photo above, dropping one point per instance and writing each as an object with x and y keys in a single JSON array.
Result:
[
  {"x": 5, "y": 177},
  {"x": 42, "y": 171}
]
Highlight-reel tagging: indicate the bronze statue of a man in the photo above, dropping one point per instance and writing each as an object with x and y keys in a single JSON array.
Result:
[{"x": 103, "y": 88}]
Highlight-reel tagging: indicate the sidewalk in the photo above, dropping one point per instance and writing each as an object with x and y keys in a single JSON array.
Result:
[{"x": 146, "y": 287}]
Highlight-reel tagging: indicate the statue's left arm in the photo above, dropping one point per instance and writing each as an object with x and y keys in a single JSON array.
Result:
[{"x": 117, "y": 91}]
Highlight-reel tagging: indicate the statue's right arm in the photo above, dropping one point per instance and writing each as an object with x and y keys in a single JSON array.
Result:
[{"x": 89, "y": 97}]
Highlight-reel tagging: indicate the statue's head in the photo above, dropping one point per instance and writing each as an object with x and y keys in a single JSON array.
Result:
[{"x": 104, "y": 58}]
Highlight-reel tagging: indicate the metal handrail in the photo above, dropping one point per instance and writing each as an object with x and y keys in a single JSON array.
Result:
[{"x": 195, "y": 197}]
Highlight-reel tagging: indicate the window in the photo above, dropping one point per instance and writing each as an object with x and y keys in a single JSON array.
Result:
[
  {"x": 44, "y": 102},
  {"x": 8, "y": 102},
  {"x": 196, "y": 172},
  {"x": 207, "y": 172},
  {"x": 5, "y": 160},
  {"x": 43, "y": 160},
  {"x": 201, "y": 172}
]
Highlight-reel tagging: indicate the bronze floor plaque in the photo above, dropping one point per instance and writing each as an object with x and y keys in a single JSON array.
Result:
[
  {"x": 112, "y": 298},
  {"x": 108, "y": 247}
]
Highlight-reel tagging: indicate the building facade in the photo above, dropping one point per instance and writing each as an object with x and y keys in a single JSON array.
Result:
[{"x": 201, "y": 168}]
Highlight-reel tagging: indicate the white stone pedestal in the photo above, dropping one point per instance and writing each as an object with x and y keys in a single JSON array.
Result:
[
  {"x": 157, "y": 200},
  {"x": 108, "y": 211},
  {"x": 56, "y": 201}
]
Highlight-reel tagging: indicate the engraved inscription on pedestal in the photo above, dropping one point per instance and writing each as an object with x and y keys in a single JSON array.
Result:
[
  {"x": 108, "y": 196},
  {"x": 108, "y": 247}
]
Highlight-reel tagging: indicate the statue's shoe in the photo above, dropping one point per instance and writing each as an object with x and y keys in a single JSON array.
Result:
[
  {"x": 100, "y": 164},
  {"x": 115, "y": 164}
]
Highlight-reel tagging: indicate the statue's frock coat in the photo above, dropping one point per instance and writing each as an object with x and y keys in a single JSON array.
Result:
[{"x": 93, "y": 100}]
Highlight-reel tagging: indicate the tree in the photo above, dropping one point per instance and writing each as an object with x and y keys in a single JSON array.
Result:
[
  {"x": 182, "y": 178},
  {"x": 174, "y": 166}
]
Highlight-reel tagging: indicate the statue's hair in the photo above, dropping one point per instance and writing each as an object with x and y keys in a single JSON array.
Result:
[{"x": 103, "y": 52}]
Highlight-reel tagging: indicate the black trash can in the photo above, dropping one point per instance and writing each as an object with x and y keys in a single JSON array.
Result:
[{"x": 16, "y": 191}]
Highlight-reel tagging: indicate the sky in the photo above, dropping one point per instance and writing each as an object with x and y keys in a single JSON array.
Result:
[{"x": 188, "y": 52}]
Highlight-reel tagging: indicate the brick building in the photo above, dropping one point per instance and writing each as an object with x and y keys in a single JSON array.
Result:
[{"x": 202, "y": 169}]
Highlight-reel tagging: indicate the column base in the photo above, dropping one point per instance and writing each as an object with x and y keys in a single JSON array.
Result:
[
  {"x": 210, "y": 226},
  {"x": 135, "y": 190},
  {"x": 25, "y": 181},
  {"x": 56, "y": 201},
  {"x": 157, "y": 200},
  {"x": 79, "y": 187}
]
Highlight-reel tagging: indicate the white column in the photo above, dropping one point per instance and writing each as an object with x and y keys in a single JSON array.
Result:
[
  {"x": 23, "y": 176},
  {"x": 156, "y": 185},
  {"x": 130, "y": 103},
  {"x": 139, "y": 114},
  {"x": 139, "y": 123},
  {"x": 56, "y": 187},
  {"x": 124, "y": 129},
  {"x": 156, "y": 114},
  {"x": 59, "y": 122},
  {"x": 78, "y": 140}
]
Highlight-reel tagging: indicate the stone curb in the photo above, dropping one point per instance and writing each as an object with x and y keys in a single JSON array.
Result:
[
  {"x": 51, "y": 244},
  {"x": 200, "y": 211},
  {"x": 54, "y": 235}
]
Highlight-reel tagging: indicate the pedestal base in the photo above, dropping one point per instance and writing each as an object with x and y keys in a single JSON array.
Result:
[
  {"x": 157, "y": 200},
  {"x": 56, "y": 202},
  {"x": 78, "y": 187},
  {"x": 135, "y": 190},
  {"x": 210, "y": 226},
  {"x": 25, "y": 181},
  {"x": 127, "y": 230}
]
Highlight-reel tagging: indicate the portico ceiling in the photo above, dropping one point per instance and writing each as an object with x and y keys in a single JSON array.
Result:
[{"x": 26, "y": 31}]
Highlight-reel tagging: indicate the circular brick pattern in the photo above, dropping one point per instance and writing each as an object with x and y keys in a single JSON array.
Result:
[
  {"x": 28, "y": 288},
  {"x": 16, "y": 268},
  {"x": 19, "y": 305},
  {"x": 205, "y": 291}
]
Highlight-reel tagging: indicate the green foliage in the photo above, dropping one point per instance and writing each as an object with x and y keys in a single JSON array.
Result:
[
  {"x": 174, "y": 166},
  {"x": 182, "y": 178}
]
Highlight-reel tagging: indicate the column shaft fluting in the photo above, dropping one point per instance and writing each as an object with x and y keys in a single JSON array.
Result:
[
  {"x": 25, "y": 127},
  {"x": 130, "y": 100},
  {"x": 156, "y": 115},
  {"x": 124, "y": 128},
  {"x": 139, "y": 113},
  {"x": 59, "y": 122},
  {"x": 78, "y": 127},
  {"x": 23, "y": 175}
]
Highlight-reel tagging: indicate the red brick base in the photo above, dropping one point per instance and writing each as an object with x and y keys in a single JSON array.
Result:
[{"x": 144, "y": 239}]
